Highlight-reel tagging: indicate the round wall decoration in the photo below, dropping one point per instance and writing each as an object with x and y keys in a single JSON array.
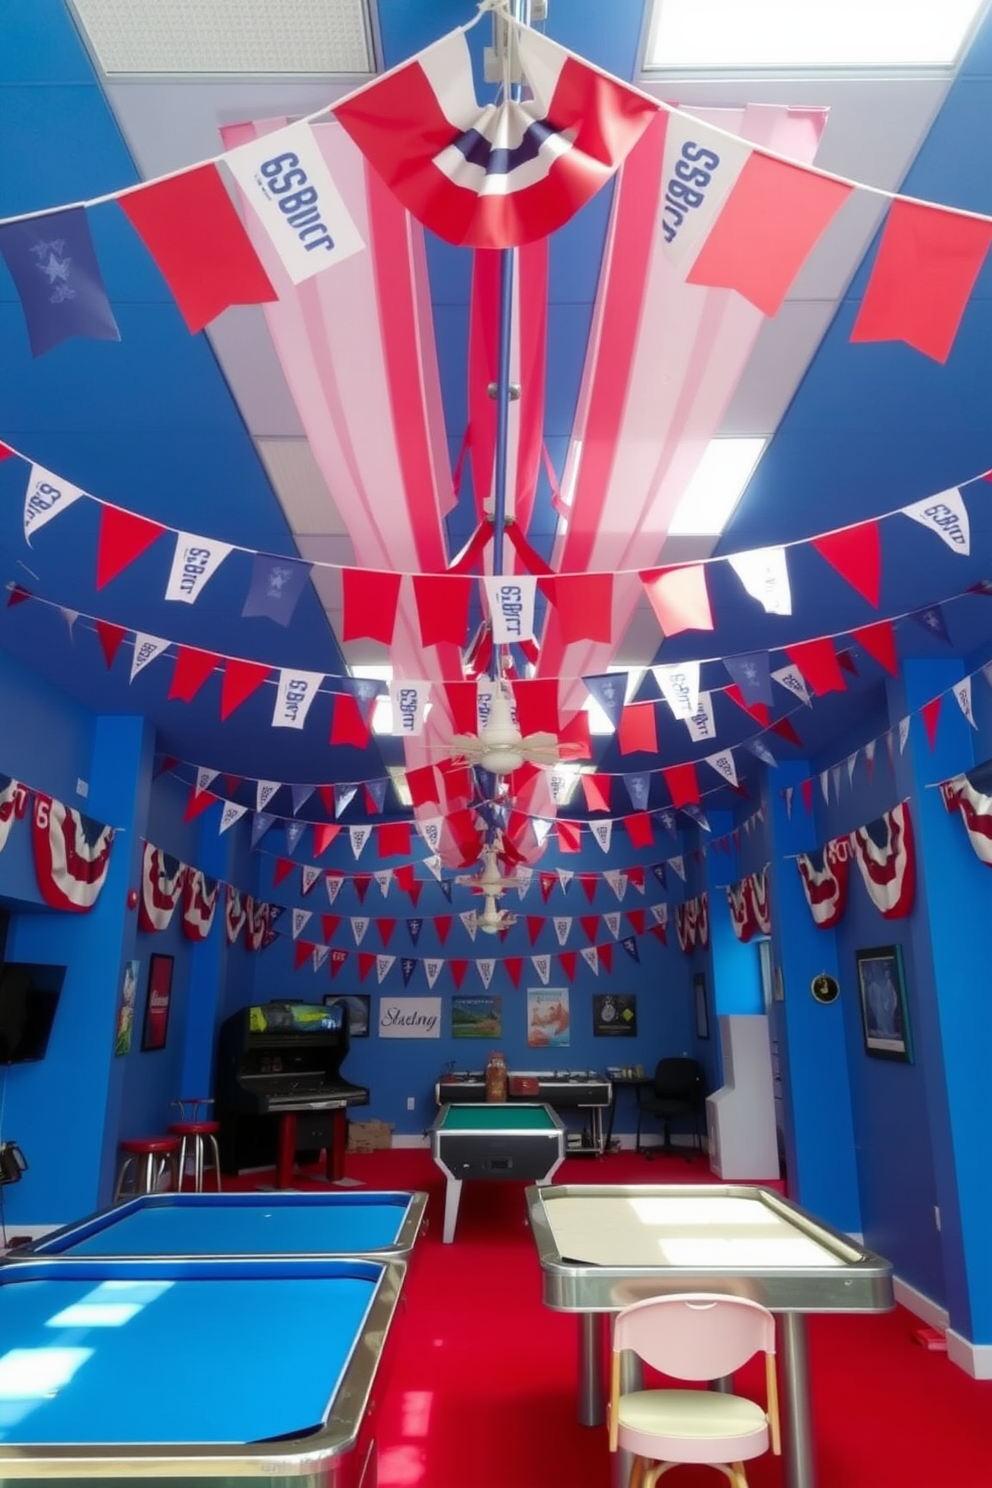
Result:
[{"x": 825, "y": 988}]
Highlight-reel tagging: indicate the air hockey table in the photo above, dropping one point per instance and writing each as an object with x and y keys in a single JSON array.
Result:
[
  {"x": 372, "y": 1224},
  {"x": 602, "y": 1247},
  {"x": 202, "y": 1370},
  {"x": 498, "y": 1140}
]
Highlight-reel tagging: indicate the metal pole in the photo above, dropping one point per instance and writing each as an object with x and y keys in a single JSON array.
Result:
[{"x": 502, "y": 404}]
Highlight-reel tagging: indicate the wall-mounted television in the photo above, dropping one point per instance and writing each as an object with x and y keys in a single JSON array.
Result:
[{"x": 29, "y": 996}]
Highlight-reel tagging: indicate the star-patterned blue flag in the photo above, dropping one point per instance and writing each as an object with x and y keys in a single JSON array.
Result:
[
  {"x": 276, "y": 586},
  {"x": 610, "y": 691},
  {"x": 667, "y": 819},
  {"x": 445, "y": 887},
  {"x": 377, "y": 790},
  {"x": 294, "y": 831},
  {"x": 932, "y": 620},
  {"x": 752, "y": 675},
  {"x": 638, "y": 789},
  {"x": 414, "y": 927},
  {"x": 630, "y": 946},
  {"x": 658, "y": 869},
  {"x": 54, "y": 268},
  {"x": 408, "y": 966},
  {"x": 301, "y": 795},
  {"x": 261, "y": 822}
]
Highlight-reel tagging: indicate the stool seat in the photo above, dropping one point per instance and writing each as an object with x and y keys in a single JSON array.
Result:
[
  {"x": 144, "y": 1163},
  {"x": 194, "y": 1128},
  {"x": 199, "y": 1138}
]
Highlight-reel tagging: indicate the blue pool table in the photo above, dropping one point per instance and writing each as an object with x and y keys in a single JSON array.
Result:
[
  {"x": 382, "y": 1225},
  {"x": 195, "y": 1369}
]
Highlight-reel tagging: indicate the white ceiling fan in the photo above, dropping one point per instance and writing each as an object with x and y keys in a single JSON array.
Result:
[
  {"x": 493, "y": 919},
  {"x": 500, "y": 747},
  {"x": 490, "y": 881}
]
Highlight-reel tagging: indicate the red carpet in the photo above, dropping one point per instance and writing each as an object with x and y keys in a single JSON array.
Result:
[{"x": 482, "y": 1387}]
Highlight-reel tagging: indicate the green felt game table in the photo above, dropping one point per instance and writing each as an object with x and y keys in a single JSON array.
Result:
[{"x": 494, "y": 1141}]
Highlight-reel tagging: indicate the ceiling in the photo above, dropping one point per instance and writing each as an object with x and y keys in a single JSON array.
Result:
[{"x": 204, "y": 433}]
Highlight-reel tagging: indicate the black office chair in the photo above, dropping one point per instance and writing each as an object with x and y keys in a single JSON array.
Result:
[{"x": 676, "y": 1090}]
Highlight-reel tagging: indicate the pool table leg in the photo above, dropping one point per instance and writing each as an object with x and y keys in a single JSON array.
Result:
[
  {"x": 452, "y": 1194},
  {"x": 797, "y": 1445}
]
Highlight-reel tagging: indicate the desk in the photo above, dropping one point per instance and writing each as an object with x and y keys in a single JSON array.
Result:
[
  {"x": 170, "y": 1369},
  {"x": 635, "y": 1083},
  {"x": 602, "y": 1248},
  {"x": 382, "y": 1225},
  {"x": 494, "y": 1141}
]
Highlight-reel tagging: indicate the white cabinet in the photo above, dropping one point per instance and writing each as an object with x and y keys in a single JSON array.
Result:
[{"x": 740, "y": 1116}]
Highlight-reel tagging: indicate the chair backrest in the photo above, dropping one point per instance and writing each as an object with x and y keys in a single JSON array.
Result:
[
  {"x": 695, "y": 1335},
  {"x": 678, "y": 1079}
]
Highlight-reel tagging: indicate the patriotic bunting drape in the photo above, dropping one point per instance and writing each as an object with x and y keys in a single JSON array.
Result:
[
  {"x": 823, "y": 873},
  {"x": 886, "y": 858},
  {"x": 970, "y": 795},
  {"x": 71, "y": 854}
]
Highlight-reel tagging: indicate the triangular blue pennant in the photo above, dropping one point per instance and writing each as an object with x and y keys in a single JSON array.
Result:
[
  {"x": 932, "y": 620},
  {"x": 610, "y": 691},
  {"x": 638, "y": 789},
  {"x": 668, "y": 821},
  {"x": 752, "y": 675},
  {"x": 697, "y": 814},
  {"x": 760, "y": 748},
  {"x": 260, "y": 824},
  {"x": 343, "y": 797},
  {"x": 377, "y": 790},
  {"x": 658, "y": 869},
  {"x": 630, "y": 946},
  {"x": 294, "y": 831},
  {"x": 415, "y": 927},
  {"x": 275, "y": 910},
  {"x": 301, "y": 795},
  {"x": 445, "y": 886},
  {"x": 408, "y": 966}
]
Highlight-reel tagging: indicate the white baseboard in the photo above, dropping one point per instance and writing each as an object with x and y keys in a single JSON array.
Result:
[
  {"x": 974, "y": 1358},
  {"x": 918, "y": 1303}
]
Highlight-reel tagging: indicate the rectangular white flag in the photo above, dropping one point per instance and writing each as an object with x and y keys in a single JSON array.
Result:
[
  {"x": 679, "y": 687},
  {"x": 46, "y": 496},
  {"x": 286, "y": 181},
  {"x": 409, "y": 702},
  {"x": 294, "y": 694},
  {"x": 511, "y": 607},
  {"x": 702, "y": 724},
  {"x": 194, "y": 563},
  {"x": 699, "y": 171},
  {"x": 764, "y": 574}
]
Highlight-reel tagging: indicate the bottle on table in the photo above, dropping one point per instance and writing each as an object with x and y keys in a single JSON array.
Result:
[{"x": 496, "y": 1077}]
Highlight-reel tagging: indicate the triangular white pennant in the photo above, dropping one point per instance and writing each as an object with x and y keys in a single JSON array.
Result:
[
  {"x": 525, "y": 877},
  {"x": 612, "y": 919},
  {"x": 384, "y": 878},
  {"x": 540, "y": 826},
  {"x": 852, "y": 760},
  {"x": 659, "y": 913},
  {"x": 264, "y": 791},
  {"x": 723, "y": 764},
  {"x": 204, "y": 779},
  {"x": 563, "y": 926},
  {"x": 433, "y": 865},
  {"x": 825, "y": 784},
  {"x": 232, "y": 812},
  {"x": 589, "y": 956},
  {"x": 870, "y": 748},
  {"x": 382, "y": 965},
  {"x": 70, "y": 617},
  {"x": 309, "y": 876},
  {"x": 332, "y": 883},
  {"x": 320, "y": 955},
  {"x": 765, "y": 576},
  {"x": 702, "y": 724},
  {"x": 561, "y": 784},
  {"x": 146, "y": 648},
  {"x": 359, "y": 925},
  {"x": 300, "y": 919},
  {"x": 565, "y": 876},
  {"x": 343, "y": 797},
  {"x": 987, "y": 672},
  {"x": 429, "y": 828},
  {"x": 359, "y": 836},
  {"x": 432, "y": 968},
  {"x": 468, "y": 919},
  {"x": 787, "y": 796},
  {"x": 679, "y": 687},
  {"x": 947, "y": 515},
  {"x": 603, "y": 833},
  {"x": 792, "y": 679},
  {"x": 485, "y": 970},
  {"x": 194, "y": 563},
  {"x": 46, "y": 496},
  {"x": 617, "y": 881},
  {"x": 542, "y": 965},
  {"x": 835, "y": 781},
  {"x": 903, "y": 733},
  {"x": 678, "y": 864},
  {"x": 962, "y": 691},
  {"x": 295, "y": 691}
]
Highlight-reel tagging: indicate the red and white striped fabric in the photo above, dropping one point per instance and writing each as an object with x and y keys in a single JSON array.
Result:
[
  {"x": 642, "y": 421},
  {"x": 71, "y": 855},
  {"x": 975, "y": 809},
  {"x": 200, "y": 895},
  {"x": 13, "y": 805},
  {"x": 703, "y": 921},
  {"x": 740, "y": 902},
  {"x": 823, "y": 874},
  {"x": 256, "y": 923},
  {"x": 495, "y": 175},
  {"x": 760, "y": 901},
  {"x": 162, "y": 879},
  {"x": 235, "y": 913},
  {"x": 886, "y": 856}
]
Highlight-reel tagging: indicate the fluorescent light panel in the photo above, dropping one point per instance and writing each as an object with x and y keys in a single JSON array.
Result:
[
  {"x": 774, "y": 34},
  {"x": 382, "y": 713},
  {"x": 711, "y": 497}
]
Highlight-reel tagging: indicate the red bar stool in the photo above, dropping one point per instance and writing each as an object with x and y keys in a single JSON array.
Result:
[
  {"x": 198, "y": 1136},
  {"x": 144, "y": 1163}
]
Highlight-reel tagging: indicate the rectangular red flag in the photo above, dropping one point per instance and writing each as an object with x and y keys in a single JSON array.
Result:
[
  {"x": 569, "y": 836},
  {"x": 537, "y": 705},
  {"x": 682, "y": 784},
  {"x": 769, "y": 224},
  {"x": 924, "y": 272},
  {"x": 442, "y": 607},
  {"x": 370, "y": 599},
  {"x": 583, "y": 604},
  {"x": 423, "y": 786},
  {"x": 393, "y": 839},
  {"x": 596, "y": 789},
  {"x": 638, "y": 731},
  {"x": 191, "y": 228},
  {"x": 347, "y": 725},
  {"x": 679, "y": 598},
  {"x": 640, "y": 828}
]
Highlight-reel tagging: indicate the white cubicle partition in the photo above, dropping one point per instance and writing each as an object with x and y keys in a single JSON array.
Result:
[{"x": 740, "y": 1116}]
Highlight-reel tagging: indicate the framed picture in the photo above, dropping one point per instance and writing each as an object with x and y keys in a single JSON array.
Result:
[
  {"x": 358, "y": 1004},
  {"x": 548, "y": 1018},
  {"x": 476, "y": 1017},
  {"x": 884, "y": 1013},
  {"x": 125, "y": 1008},
  {"x": 156, "y": 1027},
  {"x": 702, "y": 1013},
  {"x": 614, "y": 1015}
]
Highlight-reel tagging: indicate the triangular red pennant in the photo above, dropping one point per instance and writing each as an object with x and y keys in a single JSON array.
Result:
[
  {"x": 302, "y": 951},
  {"x": 758, "y": 711},
  {"x": 366, "y": 961},
  {"x": 514, "y": 966},
  {"x": 415, "y": 890},
  {"x": 442, "y": 927},
  {"x": 326, "y": 794},
  {"x": 370, "y": 599},
  {"x": 282, "y": 870},
  {"x": 191, "y": 670},
  {"x": 207, "y": 269},
  {"x": 124, "y": 536},
  {"x": 605, "y": 955},
  {"x": 232, "y": 784},
  {"x": 931, "y": 712},
  {"x": 590, "y": 883},
  {"x": 110, "y": 639},
  {"x": 590, "y": 924},
  {"x": 817, "y": 660},
  {"x": 458, "y": 970},
  {"x": 660, "y": 933},
  {"x": 635, "y": 877},
  {"x": 569, "y": 836},
  {"x": 846, "y": 662},
  {"x": 329, "y": 925},
  {"x": 324, "y": 834},
  {"x": 567, "y": 959},
  {"x": 362, "y": 882},
  {"x": 534, "y": 927},
  {"x": 385, "y": 929},
  {"x": 198, "y": 802},
  {"x": 547, "y": 882},
  {"x": 338, "y": 958},
  {"x": 636, "y": 918},
  {"x": 856, "y": 554},
  {"x": 241, "y": 679},
  {"x": 806, "y": 790},
  {"x": 785, "y": 730},
  {"x": 924, "y": 272},
  {"x": 16, "y": 595},
  {"x": 880, "y": 642}
]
